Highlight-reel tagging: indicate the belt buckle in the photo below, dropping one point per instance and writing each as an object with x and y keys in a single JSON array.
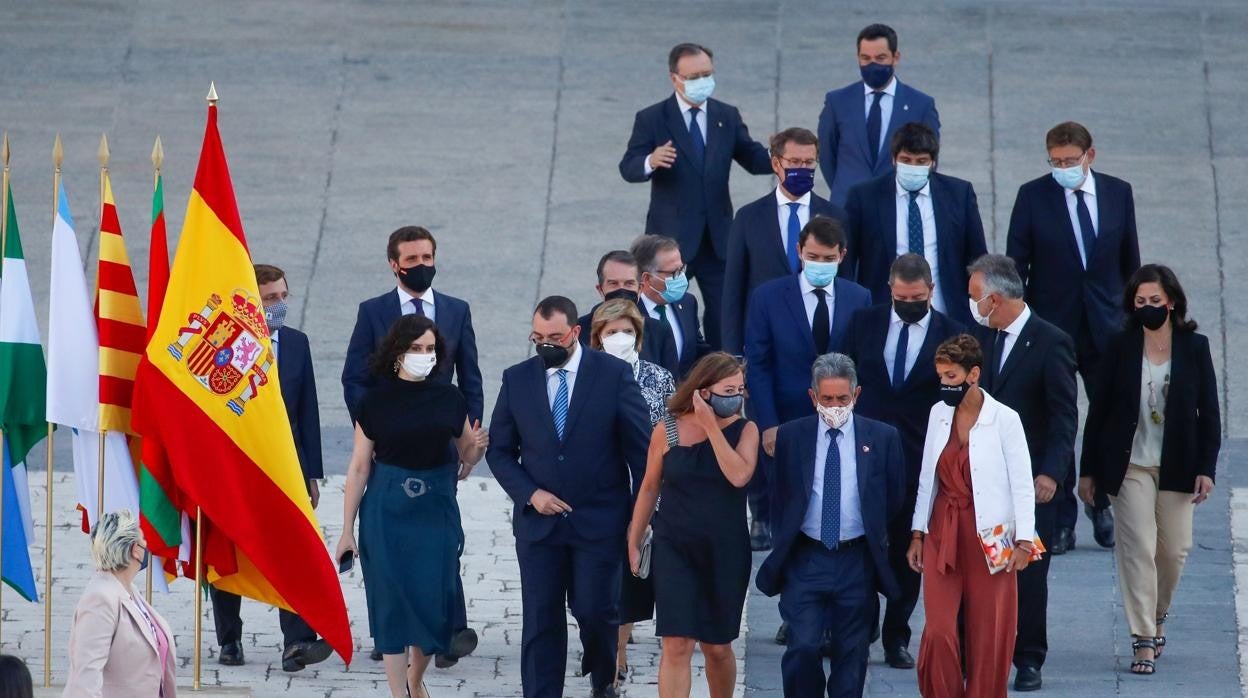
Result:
[{"x": 415, "y": 487}]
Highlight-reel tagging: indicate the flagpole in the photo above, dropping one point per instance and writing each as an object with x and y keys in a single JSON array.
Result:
[
  {"x": 103, "y": 155},
  {"x": 4, "y": 236},
  {"x": 199, "y": 593},
  {"x": 158, "y": 160},
  {"x": 58, "y": 156}
]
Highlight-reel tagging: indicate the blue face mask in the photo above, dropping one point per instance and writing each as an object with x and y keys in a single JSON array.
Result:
[
  {"x": 819, "y": 274},
  {"x": 698, "y": 90},
  {"x": 799, "y": 180},
  {"x": 1069, "y": 177},
  {"x": 912, "y": 177},
  {"x": 876, "y": 75},
  {"x": 676, "y": 288},
  {"x": 275, "y": 316}
]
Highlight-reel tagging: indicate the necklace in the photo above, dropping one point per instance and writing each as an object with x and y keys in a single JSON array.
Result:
[{"x": 1152, "y": 393}]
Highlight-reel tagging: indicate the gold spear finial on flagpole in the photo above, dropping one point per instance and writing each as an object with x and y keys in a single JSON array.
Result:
[
  {"x": 212, "y": 94},
  {"x": 58, "y": 157},
  {"x": 158, "y": 155}
]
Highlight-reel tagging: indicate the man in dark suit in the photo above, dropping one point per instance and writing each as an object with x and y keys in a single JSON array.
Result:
[
  {"x": 665, "y": 298},
  {"x": 412, "y": 253},
  {"x": 1029, "y": 365},
  {"x": 297, "y": 382},
  {"x": 1073, "y": 237},
  {"x": 858, "y": 120},
  {"x": 917, "y": 210},
  {"x": 684, "y": 146},
  {"x": 762, "y": 244},
  {"x": 894, "y": 347},
  {"x": 618, "y": 278},
  {"x": 840, "y": 480},
  {"x": 569, "y": 430}
]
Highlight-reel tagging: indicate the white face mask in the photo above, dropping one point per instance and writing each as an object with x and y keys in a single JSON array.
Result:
[
  {"x": 835, "y": 416},
  {"x": 981, "y": 319},
  {"x": 419, "y": 365},
  {"x": 621, "y": 345}
]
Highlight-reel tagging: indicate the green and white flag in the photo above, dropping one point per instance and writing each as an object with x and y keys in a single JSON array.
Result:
[{"x": 23, "y": 373}]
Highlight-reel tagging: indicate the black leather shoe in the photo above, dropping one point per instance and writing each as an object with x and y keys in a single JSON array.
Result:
[
  {"x": 608, "y": 691},
  {"x": 301, "y": 654},
  {"x": 375, "y": 655},
  {"x": 463, "y": 643},
  {"x": 1027, "y": 679},
  {"x": 1063, "y": 541},
  {"x": 782, "y": 635},
  {"x": 760, "y": 536},
  {"x": 1102, "y": 525},
  {"x": 231, "y": 654},
  {"x": 899, "y": 658}
]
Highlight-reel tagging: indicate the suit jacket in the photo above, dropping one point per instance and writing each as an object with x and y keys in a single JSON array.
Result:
[
  {"x": 1038, "y": 382},
  {"x": 844, "y": 156},
  {"x": 606, "y": 438},
  {"x": 872, "y": 237},
  {"x": 298, "y": 384},
  {"x": 657, "y": 345},
  {"x": 454, "y": 322},
  {"x": 907, "y": 408},
  {"x": 779, "y": 348},
  {"x": 1042, "y": 243},
  {"x": 756, "y": 254},
  {"x": 1191, "y": 425},
  {"x": 691, "y": 197},
  {"x": 112, "y": 652},
  {"x": 881, "y": 484}
]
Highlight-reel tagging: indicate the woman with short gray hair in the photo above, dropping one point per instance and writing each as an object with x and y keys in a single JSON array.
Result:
[{"x": 119, "y": 645}]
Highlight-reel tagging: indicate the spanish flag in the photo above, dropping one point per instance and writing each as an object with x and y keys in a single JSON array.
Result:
[{"x": 211, "y": 370}]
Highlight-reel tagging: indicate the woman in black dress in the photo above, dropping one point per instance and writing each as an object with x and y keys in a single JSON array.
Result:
[
  {"x": 410, "y": 533},
  {"x": 702, "y": 455}
]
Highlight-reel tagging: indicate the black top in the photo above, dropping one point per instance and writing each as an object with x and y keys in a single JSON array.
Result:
[
  {"x": 411, "y": 423},
  {"x": 696, "y": 498}
]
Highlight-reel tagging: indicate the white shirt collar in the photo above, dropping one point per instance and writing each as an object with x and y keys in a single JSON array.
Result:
[
  {"x": 573, "y": 364},
  {"x": 783, "y": 200},
  {"x": 807, "y": 287},
  {"x": 890, "y": 89},
  {"x": 903, "y": 193},
  {"x": 405, "y": 295},
  {"x": 896, "y": 319},
  {"x": 685, "y": 106},
  {"x": 1017, "y": 326},
  {"x": 1088, "y": 186},
  {"x": 649, "y": 302}
]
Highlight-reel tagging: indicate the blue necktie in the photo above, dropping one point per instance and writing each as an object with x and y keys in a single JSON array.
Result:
[
  {"x": 795, "y": 232},
  {"x": 899, "y": 359},
  {"x": 873, "y": 128},
  {"x": 1085, "y": 227},
  {"x": 560, "y": 409},
  {"x": 914, "y": 221},
  {"x": 419, "y": 305},
  {"x": 830, "y": 528},
  {"x": 695, "y": 135}
]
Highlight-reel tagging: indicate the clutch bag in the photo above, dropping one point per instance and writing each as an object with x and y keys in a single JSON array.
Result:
[
  {"x": 643, "y": 566},
  {"x": 998, "y": 544}
]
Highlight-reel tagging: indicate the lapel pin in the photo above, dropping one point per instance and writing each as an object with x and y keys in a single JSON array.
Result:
[
  {"x": 866, "y": 448},
  {"x": 1027, "y": 344},
  {"x": 905, "y": 107},
  {"x": 720, "y": 123}
]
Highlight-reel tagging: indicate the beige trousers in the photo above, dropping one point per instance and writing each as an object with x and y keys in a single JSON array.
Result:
[{"x": 1153, "y": 530}]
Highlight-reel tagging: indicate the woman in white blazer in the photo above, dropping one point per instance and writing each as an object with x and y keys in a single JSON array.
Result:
[
  {"x": 976, "y": 499},
  {"x": 119, "y": 646}
]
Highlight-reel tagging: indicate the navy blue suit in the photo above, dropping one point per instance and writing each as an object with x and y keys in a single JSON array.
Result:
[
  {"x": 657, "y": 345},
  {"x": 872, "y": 234},
  {"x": 844, "y": 155},
  {"x": 454, "y": 323},
  {"x": 907, "y": 409},
  {"x": 824, "y": 590},
  {"x": 572, "y": 559},
  {"x": 689, "y": 201},
  {"x": 756, "y": 254}
]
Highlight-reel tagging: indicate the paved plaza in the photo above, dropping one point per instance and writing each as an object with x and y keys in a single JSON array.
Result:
[{"x": 498, "y": 124}]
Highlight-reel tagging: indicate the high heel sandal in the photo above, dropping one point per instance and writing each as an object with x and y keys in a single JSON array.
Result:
[
  {"x": 1144, "y": 667},
  {"x": 1161, "y": 639}
]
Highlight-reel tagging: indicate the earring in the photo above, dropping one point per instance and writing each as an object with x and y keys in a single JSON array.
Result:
[{"x": 396, "y": 367}]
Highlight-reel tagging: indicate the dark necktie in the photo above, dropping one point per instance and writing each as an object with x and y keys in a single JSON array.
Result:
[
  {"x": 419, "y": 305},
  {"x": 998, "y": 356},
  {"x": 914, "y": 220},
  {"x": 821, "y": 326},
  {"x": 560, "y": 409},
  {"x": 695, "y": 135},
  {"x": 662, "y": 311},
  {"x": 830, "y": 527},
  {"x": 1085, "y": 227},
  {"x": 899, "y": 358},
  {"x": 795, "y": 231},
  {"x": 873, "y": 127}
]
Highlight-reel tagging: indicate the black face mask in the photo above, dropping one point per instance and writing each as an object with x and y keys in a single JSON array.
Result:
[
  {"x": 910, "y": 312},
  {"x": 417, "y": 279},
  {"x": 1152, "y": 316},
  {"x": 553, "y": 355},
  {"x": 953, "y": 395},
  {"x": 626, "y": 294}
]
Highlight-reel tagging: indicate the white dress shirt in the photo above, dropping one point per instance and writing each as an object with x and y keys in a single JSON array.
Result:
[
  {"x": 426, "y": 301},
  {"x": 851, "y": 507},
  {"x": 552, "y": 376},
  {"x": 928, "y": 215},
  {"x": 1089, "y": 198},
  {"x": 886, "y": 107},
  {"x": 918, "y": 333},
  {"x": 782, "y": 212},
  {"x": 811, "y": 301},
  {"x": 1011, "y": 335},
  {"x": 672, "y": 321},
  {"x": 686, "y": 115}
]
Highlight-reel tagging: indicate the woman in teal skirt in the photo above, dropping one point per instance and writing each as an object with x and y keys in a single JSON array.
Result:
[{"x": 402, "y": 484}]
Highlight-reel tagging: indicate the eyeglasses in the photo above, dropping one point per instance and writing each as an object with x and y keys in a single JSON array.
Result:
[
  {"x": 1068, "y": 162},
  {"x": 787, "y": 162},
  {"x": 695, "y": 76},
  {"x": 665, "y": 275},
  {"x": 548, "y": 339}
]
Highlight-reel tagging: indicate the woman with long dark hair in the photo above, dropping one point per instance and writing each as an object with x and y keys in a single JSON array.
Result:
[{"x": 1151, "y": 443}]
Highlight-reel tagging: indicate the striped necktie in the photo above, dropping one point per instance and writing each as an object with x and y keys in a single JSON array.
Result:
[{"x": 560, "y": 408}]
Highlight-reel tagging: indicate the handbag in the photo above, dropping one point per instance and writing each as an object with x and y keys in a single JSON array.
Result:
[
  {"x": 643, "y": 566},
  {"x": 998, "y": 545}
]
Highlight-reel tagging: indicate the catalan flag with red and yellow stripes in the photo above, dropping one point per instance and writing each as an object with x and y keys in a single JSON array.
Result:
[
  {"x": 211, "y": 371},
  {"x": 119, "y": 320}
]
